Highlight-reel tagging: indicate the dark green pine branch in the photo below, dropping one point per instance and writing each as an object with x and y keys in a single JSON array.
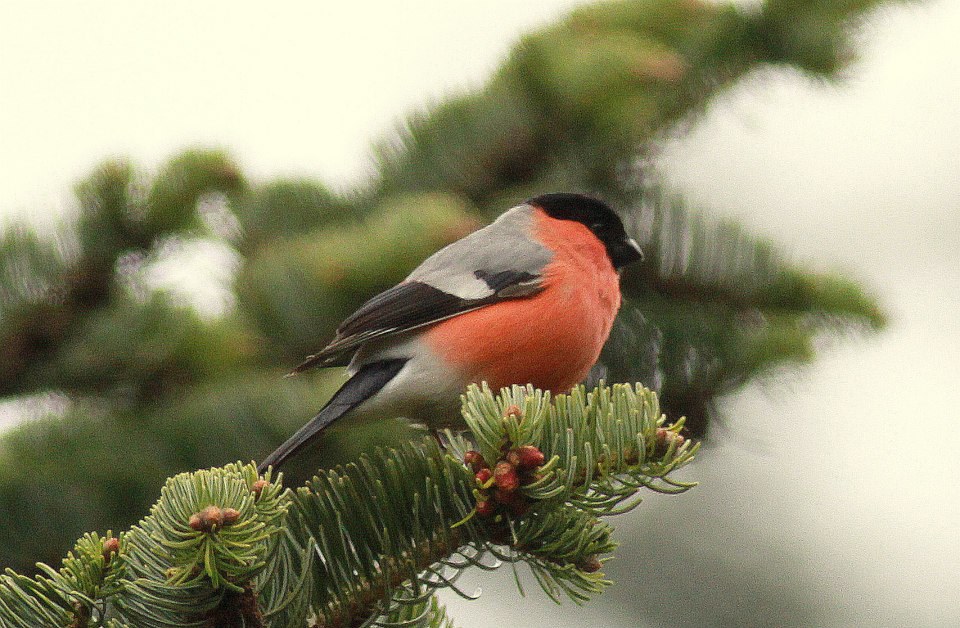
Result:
[
  {"x": 577, "y": 101},
  {"x": 370, "y": 544},
  {"x": 54, "y": 287},
  {"x": 690, "y": 258},
  {"x": 714, "y": 307}
]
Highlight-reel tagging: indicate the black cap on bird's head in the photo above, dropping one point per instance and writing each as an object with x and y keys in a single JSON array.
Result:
[{"x": 598, "y": 217}]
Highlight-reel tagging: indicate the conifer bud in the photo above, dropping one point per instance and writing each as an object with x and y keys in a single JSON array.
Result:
[
  {"x": 212, "y": 516},
  {"x": 505, "y": 477},
  {"x": 474, "y": 459},
  {"x": 110, "y": 547},
  {"x": 513, "y": 410},
  {"x": 258, "y": 487},
  {"x": 590, "y": 564},
  {"x": 207, "y": 519},
  {"x": 230, "y": 516},
  {"x": 484, "y": 475},
  {"x": 485, "y": 508},
  {"x": 529, "y": 457},
  {"x": 664, "y": 438}
]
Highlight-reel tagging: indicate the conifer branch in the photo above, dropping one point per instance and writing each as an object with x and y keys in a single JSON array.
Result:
[
  {"x": 370, "y": 543},
  {"x": 690, "y": 258},
  {"x": 61, "y": 284}
]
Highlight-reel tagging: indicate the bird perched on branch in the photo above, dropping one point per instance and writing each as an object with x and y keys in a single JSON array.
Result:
[{"x": 529, "y": 298}]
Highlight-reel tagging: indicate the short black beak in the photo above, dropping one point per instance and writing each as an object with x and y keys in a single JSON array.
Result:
[{"x": 628, "y": 252}]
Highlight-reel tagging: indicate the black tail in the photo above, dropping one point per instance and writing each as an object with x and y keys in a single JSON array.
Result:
[{"x": 364, "y": 384}]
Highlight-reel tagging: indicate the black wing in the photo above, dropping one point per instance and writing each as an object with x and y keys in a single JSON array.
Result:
[{"x": 414, "y": 304}]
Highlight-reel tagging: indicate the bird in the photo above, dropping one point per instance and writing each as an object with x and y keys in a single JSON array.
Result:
[{"x": 528, "y": 299}]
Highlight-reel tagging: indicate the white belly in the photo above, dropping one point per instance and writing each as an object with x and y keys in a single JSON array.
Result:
[{"x": 425, "y": 390}]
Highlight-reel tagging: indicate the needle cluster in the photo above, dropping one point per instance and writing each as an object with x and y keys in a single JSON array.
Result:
[{"x": 370, "y": 543}]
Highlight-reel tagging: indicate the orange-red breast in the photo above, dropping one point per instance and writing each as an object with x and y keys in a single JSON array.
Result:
[{"x": 529, "y": 298}]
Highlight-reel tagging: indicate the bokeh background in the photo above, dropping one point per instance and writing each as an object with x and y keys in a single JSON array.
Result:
[{"x": 828, "y": 493}]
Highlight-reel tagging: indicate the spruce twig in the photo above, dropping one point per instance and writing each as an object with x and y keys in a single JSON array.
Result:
[{"x": 369, "y": 544}]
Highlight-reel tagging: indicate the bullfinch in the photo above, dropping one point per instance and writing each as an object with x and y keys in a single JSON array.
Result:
[{"x": 529, "y": 298}]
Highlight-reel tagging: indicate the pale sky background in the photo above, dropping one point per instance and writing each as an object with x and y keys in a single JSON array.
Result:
[
  {"x": 832, "y": 499},
  {"x": 297, "y": 87}
]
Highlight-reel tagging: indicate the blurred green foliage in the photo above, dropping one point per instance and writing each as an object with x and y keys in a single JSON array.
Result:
[
  {"x": 154, "y": 387},
  {"x": 280, "y": 286}
]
